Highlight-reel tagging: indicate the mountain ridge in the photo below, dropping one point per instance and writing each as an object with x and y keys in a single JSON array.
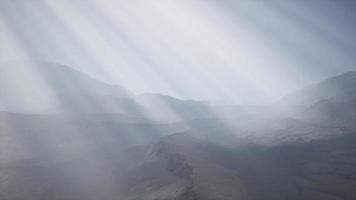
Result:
[
  {"x": 47, "y": 87},
  {"x": 333, "y": 88}
]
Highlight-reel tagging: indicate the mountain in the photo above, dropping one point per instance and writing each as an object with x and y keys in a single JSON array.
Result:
[
  {"x": 178, "y": 167},
  {"x": 69, "y": 157},
  {"x": 24, "y": 136},
  {"x": 45, "y": 87},
  {"x": 329, "y": 112},
  {"x": 156, "y": 147},
  {"x": 36, "y": 86},
  {"x": 165, "y": 108},
  {"x": 181, "y": 166},
  {"x": 338, "y": 88},
  {"x": 323, "y": 110}
]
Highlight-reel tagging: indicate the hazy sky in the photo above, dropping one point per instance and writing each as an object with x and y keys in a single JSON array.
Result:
[{"x": 244, "y": 51}]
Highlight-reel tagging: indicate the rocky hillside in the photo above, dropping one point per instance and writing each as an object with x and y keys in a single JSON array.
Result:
[{"x": 183, "y": 167}]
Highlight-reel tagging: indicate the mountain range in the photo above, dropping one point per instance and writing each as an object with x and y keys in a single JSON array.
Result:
[
  {"x": 45, "y": 87},
  {"x": 65, "y": 135}
]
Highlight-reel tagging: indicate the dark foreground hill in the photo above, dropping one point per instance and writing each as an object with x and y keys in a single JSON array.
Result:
[{"x": 183, "y": 167}]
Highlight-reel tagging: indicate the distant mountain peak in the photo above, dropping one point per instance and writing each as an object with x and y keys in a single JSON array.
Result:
[
  {"x": 337, "y": 88},
  {"x": 43, "y": 86}
]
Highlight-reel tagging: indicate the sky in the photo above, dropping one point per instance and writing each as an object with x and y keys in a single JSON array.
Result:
[{"x": 240, "y": 51}]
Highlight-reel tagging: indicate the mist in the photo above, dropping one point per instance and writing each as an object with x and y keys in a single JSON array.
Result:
[
  {"x": 177, "y": 100},
  {"x": 227, "y": 51}
]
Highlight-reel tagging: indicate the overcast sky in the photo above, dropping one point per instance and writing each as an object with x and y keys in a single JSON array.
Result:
[{"x": 241, "y": 51}]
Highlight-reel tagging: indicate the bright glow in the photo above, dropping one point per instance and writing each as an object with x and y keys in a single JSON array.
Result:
[{"x": 216, "y": 50}]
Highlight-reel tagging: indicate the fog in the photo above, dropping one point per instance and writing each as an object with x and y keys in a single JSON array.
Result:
[
  {"x": 177, "y": 99},
  {"x": 241, "y": 52}
]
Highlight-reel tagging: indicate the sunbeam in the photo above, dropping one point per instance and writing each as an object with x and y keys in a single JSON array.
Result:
[{"x": 177, "y": 99}]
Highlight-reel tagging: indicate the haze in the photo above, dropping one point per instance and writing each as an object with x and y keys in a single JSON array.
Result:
[{"x": 222, "y": 50}]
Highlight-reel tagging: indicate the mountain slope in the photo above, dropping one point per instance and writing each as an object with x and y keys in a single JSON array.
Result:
[
  {"x": 338, "y": 88},
  {"x": 35, "y": 86},
  {"x": 305, "y": 154},
  {"x": 183, "y": 167},
  {"x": 44, "y": 87},
  {"x": 177, "y": 168}
]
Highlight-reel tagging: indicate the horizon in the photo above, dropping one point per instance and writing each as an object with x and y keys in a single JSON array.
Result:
[
  {"x": 216, "y": 101},
  {"x": 234, "y": 51},
  {"x": 177, "y": 100}
]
